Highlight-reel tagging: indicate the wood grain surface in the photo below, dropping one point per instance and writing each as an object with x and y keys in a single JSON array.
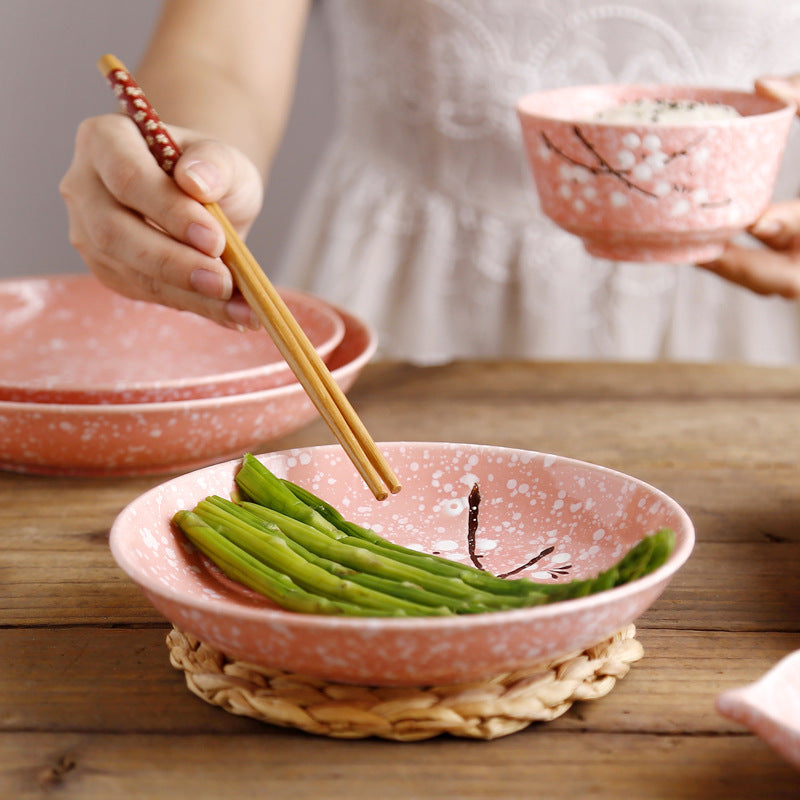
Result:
[{"x": 90, "y": 707}]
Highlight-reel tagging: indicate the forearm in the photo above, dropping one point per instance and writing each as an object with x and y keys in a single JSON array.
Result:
[{"x": 227, "y": 69}]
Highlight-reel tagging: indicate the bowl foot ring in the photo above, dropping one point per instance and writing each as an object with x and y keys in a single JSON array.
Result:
[{"x": 489, "y": 709}]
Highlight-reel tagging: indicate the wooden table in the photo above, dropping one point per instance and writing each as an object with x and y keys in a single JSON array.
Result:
[{"x": 90, "y": 707}]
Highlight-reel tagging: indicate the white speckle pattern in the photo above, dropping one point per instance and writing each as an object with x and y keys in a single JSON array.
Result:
[
  {"x": 68, "y": 339},
  {"x": 674, "y": 191},
  {"x": 415, "y": 651},
  {"x": 150, "y": 438}
]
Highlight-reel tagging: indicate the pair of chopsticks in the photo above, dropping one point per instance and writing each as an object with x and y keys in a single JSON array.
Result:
[{"x": 268, "y": 305}]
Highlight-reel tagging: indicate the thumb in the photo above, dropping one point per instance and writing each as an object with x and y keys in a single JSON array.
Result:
[
  {"x": 785, "y": 89},
  {"x": 212, "y": 172},
  {"x": 779, "y": 226}
]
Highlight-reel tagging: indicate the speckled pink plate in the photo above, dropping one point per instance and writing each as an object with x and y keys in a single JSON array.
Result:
[
  {"x": 151, "y": 438},
  {"x": 770, "y": 707},
  {"x": 565, "y": 518},
  {"x": 68, "y": 339}
]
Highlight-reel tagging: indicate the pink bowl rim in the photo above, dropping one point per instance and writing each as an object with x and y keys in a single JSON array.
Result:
[
  {"x": 200, "y": 403},
  {"x": 311, "y": 622},
  {"x": 264, "y": 371},
  {"x": 772, "y": 106}
]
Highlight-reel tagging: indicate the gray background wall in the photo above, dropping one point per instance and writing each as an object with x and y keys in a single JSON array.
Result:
[{"x": 49, "y": 82}]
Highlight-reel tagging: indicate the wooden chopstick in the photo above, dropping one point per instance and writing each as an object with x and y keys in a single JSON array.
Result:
[{"x": 292, "y": 342}]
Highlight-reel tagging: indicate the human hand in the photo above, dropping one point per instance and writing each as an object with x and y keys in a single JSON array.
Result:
[
  {"x": 775, "y": 268},
  {"x": 149, "y": 237}
]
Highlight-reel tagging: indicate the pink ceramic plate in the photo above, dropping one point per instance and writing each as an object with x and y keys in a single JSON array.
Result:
[
  {"x": 770, "y": 707},
  {"x": 68, "y": 339},
  {"x": 566, "y": 518},
  {"x": 146, "y": 438}
]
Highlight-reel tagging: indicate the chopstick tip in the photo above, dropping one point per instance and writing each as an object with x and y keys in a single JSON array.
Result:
[{"x": 108, "y": 63}]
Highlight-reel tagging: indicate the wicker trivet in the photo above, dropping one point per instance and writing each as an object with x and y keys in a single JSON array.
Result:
[{"x": 486, "y": 710}]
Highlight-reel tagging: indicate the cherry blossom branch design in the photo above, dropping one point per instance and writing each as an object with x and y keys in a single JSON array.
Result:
[
  {"x": 475, "y": 557},
  {"x": 602, "y": 166}
]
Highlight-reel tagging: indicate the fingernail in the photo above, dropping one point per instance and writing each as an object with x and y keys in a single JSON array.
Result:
[
  {"x": 776, "y": 81},
  {"x": 210, "y": 284},
  {"x": 232, "y": 326},
  {"x": 782, "y": 89},
  {"x": 204, "y": 239},
  {"x": 766, "y": 227},
  {"x": 240, "y": 313},
  {"x": 204, "y": 175}
]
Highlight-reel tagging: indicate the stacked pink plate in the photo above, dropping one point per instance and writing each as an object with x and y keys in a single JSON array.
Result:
[{"x": 92, "y": 383}]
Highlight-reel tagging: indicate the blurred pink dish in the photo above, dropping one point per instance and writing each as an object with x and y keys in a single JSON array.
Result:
[
  {"x": 770, "y": 707},
  {"x": 648, "y": 190},
  {"x": 149, "y": 438},
  {"x": 572, "y": 518},
  {"x": 68, "y": 339}
]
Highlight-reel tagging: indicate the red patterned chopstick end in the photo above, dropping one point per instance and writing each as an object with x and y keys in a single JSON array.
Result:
[{"x": 133, "y": 103}]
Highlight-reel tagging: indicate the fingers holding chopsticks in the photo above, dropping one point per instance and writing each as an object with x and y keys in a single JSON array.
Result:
[
  {"x": 261, "y": 295},
  {"x": 213, "y": 172},
  {"x": 144, "y": 236}
]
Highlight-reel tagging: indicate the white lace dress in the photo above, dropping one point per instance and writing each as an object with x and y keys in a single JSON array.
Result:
[{"x": 423, "y": 219}]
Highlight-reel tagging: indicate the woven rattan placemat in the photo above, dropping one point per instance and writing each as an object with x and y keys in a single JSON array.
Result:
[{"x": 485, "y": 710}]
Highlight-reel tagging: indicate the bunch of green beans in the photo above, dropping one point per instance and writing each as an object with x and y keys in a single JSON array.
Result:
[{"x": 289, "y": 545}]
